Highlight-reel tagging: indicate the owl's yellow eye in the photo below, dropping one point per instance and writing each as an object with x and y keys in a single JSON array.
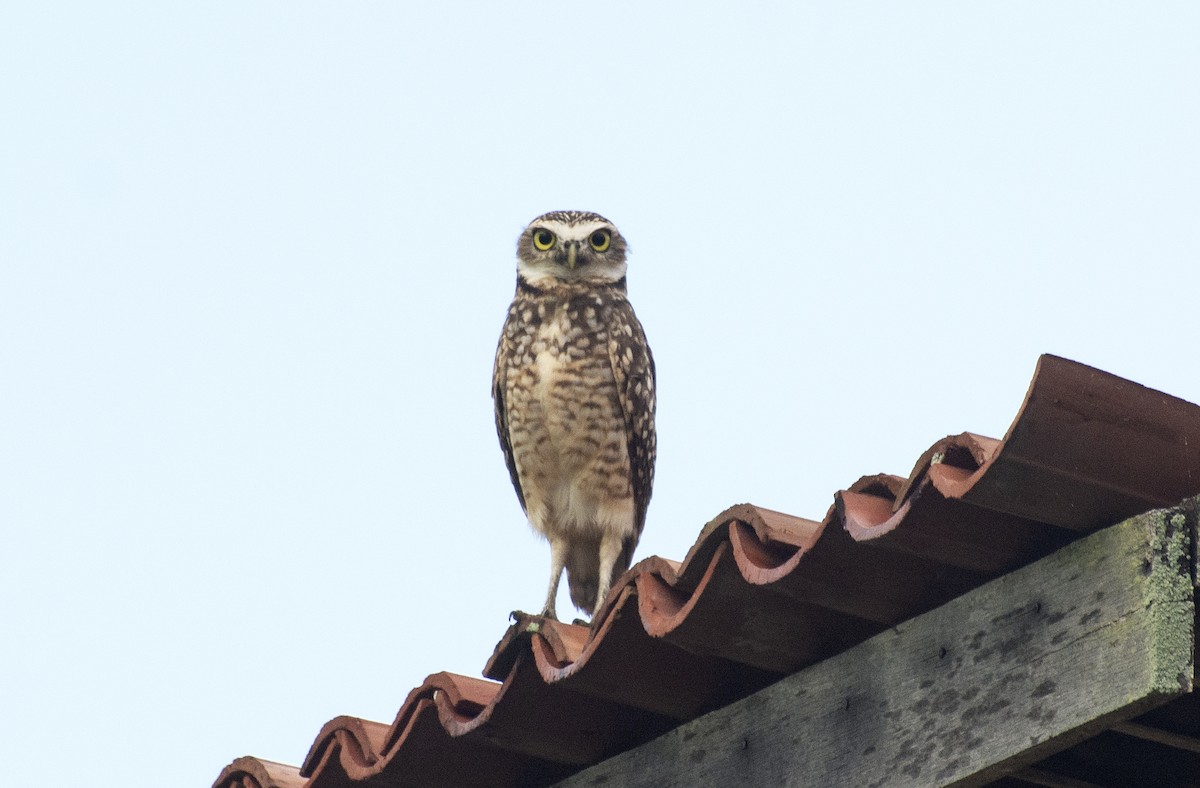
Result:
[
  {"x": 600, "y": 240},
  {"x": 543, "y": 239}
]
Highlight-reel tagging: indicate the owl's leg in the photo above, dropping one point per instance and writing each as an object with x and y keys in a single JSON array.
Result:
[
  {"x": 610, "y": 550},
  {"x": 559, "y": 548}
]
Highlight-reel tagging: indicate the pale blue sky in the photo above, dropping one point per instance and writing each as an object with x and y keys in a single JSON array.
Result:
[{"x": 254, "y": 258}]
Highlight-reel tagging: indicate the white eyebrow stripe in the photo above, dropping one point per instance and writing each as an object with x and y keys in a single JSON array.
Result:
[{"x": 575, "y": 232}]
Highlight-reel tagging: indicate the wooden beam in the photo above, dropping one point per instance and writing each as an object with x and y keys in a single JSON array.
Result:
[
  {"x": 1176, "y": 740},
  {"x": 991, "y": 682},
  {"x": 1051, "y": 780}
]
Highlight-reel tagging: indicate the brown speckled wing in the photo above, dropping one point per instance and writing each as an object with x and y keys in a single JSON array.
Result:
[
  {"x": 504, "y": 351},
  {"x": 633, "y": 369}
]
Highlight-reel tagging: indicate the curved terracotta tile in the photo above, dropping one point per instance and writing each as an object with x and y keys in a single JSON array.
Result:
[
  {"x": 346, "y": 745},
  {"x": 564, "y": 641},
  {"x": 431, "y": 742},
  {"x": 724, "y": 610},
  {"x": 754, "y": 625},
  {"x": 621, "y": 662},
  {"x": 662, "y": 605},
  {"x": 761, "y": 563},
  {"x": 867, "y": 578},
  {"x": 248, "y": 772},
  {"x": 1086, "y": 449},
  {"x": 964, "y": 453},
  {"x": 645, "y": 605},
  {"x": 871, "y": 507}
]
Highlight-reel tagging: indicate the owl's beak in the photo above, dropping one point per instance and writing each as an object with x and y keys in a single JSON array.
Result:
[{"x": 572, "y": 250}]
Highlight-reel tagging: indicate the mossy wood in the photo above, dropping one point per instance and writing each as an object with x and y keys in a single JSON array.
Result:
[{"x": 997, "y": 679}]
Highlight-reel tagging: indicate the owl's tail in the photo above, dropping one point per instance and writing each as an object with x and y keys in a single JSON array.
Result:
[{"x": 583, "y": 573}]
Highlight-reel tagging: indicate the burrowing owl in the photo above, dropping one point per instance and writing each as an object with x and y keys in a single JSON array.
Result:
[{"x": 574, "y": 392}]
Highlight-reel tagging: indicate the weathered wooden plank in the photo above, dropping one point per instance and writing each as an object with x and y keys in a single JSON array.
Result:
[{"x": 988, "y": 683}]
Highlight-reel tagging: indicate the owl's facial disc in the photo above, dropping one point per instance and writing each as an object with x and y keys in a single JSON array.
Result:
[{"x": 585, "y": 247}]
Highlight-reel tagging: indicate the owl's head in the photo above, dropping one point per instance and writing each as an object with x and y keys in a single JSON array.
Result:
[{"x": 571, "y": 246}]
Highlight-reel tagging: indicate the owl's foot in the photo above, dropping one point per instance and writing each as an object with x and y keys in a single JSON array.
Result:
[{"x": 549, "y": 612}]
